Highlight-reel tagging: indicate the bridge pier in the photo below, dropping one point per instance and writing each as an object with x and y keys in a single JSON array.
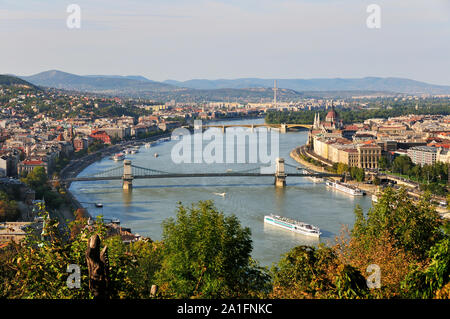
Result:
[
  {"x": 280, "y": 175},
  {"x": 283, "y": 128},
  {"x": 127, "y": 177}
]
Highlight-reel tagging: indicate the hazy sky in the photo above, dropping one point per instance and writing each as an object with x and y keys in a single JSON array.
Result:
[{"x": 181, "y": 39}]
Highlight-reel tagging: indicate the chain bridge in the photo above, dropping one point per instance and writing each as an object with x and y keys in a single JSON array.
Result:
[{"x": 128, "y": 172}]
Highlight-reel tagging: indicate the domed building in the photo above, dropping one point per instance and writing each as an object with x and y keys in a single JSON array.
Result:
[
  {"x": 332, "y": 116},
  {"x": 332, "y": 121}
]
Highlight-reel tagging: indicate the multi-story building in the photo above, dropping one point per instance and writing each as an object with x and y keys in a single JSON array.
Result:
[
  {"x": 81, "y": 143},
  {"x": 368, "y": 155},
  {"x": 29, "y": 165},
  {"x": 443, "y": 155},
  {"x": 340, "y": 150},
  {"x": 423, "y": 155},
  {"x": 350, "y": 156},
  {"x": 102, "y": 136}
]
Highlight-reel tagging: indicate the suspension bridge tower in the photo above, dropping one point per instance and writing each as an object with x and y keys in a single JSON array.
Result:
[
  {"x": 280, "y": 175},
  {"x": 127, "y": 177}
]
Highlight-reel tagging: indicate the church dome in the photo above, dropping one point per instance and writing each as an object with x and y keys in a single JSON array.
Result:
[{"x": 331, "y": 116}]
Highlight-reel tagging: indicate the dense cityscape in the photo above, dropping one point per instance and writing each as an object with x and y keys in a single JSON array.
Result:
[
  {"x": 49, "y": 135},
  {"x": 225, "y": 158}
]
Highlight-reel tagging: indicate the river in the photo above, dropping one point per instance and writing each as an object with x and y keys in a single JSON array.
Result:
[{"x": 153, "y": 200}]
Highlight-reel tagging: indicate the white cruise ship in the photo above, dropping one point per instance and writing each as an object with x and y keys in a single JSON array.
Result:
[
  {"x": 351, "y": 190},
  {"x": 293, "y": 225}
]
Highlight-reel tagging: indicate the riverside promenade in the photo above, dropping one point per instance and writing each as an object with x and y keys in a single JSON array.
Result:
[{"x": 300, "y": 151}]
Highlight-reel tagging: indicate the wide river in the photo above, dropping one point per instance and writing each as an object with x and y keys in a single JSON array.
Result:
[{"x": 153, "y": 200}]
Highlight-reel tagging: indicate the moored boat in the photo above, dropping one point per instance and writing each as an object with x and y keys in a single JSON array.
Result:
[
  {"x": 351, "y": 190},
  {"x": 119, "y": 157},
  {"x": 293, "y": 225},
  {"x": 315, "y": 179}
]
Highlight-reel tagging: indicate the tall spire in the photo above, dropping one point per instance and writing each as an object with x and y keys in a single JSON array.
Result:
[
  {"x": 275, "y": 89},
  {"x": 316, "y": 120}
]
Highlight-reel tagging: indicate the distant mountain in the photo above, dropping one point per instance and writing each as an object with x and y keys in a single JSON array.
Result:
[
  {"x": 132, "y": 85},
  {"x": 10, "y": 80},
  {"x": 399, "y": 85},
  {"x": 247, "y": 89},
  {"x": 130, "y": 77}
]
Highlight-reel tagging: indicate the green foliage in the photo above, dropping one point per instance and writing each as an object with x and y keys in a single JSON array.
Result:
[
  {"x": 303, "y": 269},
  {"x": 9, "y": 210},
  {"x": 146, "y": 262},
  {"x": 376, "y": 181},
  {"x": 37, "y": 267},
  {"x": 378, "y": 109},
  {"x": 350, "y": 283},
  {"x": 207, "y": 254},
  {"x": 425, "y": 282},
  {"x": 402, "y": 164},
  {"x": 342, "y": 168},
  {"x": 60, "y": 163},
  {"x": 95, "y": 146},
  {"x": 432, "y": 178},
  {"x": 357, "y": 173},
  {"x": 415, "y": 227},
  {"x": 37, "y": 180},
  {"x": 383, "y": 163},
  {"x": 308, "y": 272}
]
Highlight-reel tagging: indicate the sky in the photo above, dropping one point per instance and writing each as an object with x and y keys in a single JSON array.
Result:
[{"x": 227, "y": 39}]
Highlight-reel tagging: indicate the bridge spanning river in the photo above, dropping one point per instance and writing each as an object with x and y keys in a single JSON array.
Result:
[
  {"x": 154, "y": 199},
  {"x": 283, "y": 128},
  {"x": 128, "y": 172}
]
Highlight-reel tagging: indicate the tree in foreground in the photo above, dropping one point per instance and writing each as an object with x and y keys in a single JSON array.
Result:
[
  {"x": 316, "y": 272},
  {"x": 402, "y": 237},
  {"x": 37, "y": 267},
  {"x": 207, "y": 255}
]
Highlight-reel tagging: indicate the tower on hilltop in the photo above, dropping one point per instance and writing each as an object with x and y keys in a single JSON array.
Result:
[{"x": 275, "y": 89}]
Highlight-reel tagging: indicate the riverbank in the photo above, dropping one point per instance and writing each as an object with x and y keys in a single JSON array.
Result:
[
  {"x": 297, "y": 153},
  {"x": 76, "y": 166},
  {"x": 371, "y": 189}
]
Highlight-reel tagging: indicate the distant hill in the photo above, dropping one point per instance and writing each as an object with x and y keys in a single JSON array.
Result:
[
  {"x": 9, "y": 80},
  {"x": 97, "y": 83},
  {"x": 255, "y": 95},
  {"x": 130, "y": 77},
  {"x": 246, "y": 89},
  {"x": 390, "y": 84}
]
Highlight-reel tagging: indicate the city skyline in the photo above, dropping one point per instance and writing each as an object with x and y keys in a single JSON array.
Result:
[{"x": 184, "y": 40}]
